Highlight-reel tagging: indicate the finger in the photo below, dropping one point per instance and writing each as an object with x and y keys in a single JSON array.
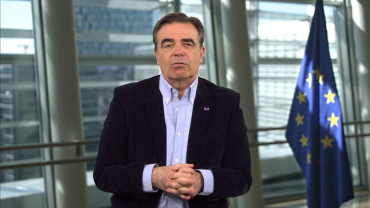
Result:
[
  {"x": 186, "y": 165},
  {"x": 175, "y": 167},
  {"x": 186, "y": 197},
  {"x": 176, "y": 192},
  {"x": 185, "y": 182},
  {"x": 186, "y": 170},
  {"x": 176, "y": 185},
  {"x": 180, "y": 183},
  {"x": 172, "y": 185},
  {"x": 177, "y": 175},
  {"x": 173, "y": 191},
  {"x": 178, "y": 166},
  {"x": 186, "y": 191}
]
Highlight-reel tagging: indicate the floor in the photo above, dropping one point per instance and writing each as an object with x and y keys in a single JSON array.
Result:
[{"x": 361, "y": 200}]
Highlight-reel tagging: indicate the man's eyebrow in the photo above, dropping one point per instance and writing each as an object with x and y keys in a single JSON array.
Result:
[{"x": 167, "y": 40}]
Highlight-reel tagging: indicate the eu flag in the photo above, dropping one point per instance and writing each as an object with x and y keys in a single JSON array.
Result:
[{"x": 314, "y": 130}]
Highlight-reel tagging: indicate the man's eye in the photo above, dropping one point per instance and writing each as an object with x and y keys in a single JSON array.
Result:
[
  {"x": 188, "y": 44},
  {"x": 168, "y": 46}
]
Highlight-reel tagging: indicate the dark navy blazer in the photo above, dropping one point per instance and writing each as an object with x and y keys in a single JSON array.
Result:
[{"x": 134, "y": 134}]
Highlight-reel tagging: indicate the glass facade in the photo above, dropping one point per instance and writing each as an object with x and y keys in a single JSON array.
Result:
[
  {"x": 103, "y": 31},
  {"x": 19, "y": 103}
]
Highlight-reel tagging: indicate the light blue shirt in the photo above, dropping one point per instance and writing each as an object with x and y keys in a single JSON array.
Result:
[{"x": 177, "y": 115}]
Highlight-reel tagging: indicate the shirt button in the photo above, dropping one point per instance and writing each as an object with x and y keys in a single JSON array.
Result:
[
  {"x": 176, "y": 160},
  {"x": 173, "y": 91},
  {"x": 177, "y": 109},
  {"x": 178, "y": 134}
]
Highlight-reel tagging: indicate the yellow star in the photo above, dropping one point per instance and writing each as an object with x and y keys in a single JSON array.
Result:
[
  {"x": 301, "y": 97},
  {"x": 309, "y": 80},
  {"x": 320, "y": 78},
  {"x": 330, "y": 97},
  {"x": 318, "y": 75},
  {"x": 327, "y": 142},
  {"x": 317, "y": 72},
  {"x": 309, "y": 158},
  {"x": 299, "y": 119},
  {"x": 333, "y": 120},
  {"x": 303, "y": 140}
]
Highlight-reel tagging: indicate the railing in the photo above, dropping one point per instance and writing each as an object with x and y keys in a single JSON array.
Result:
[
  {"x": 283, "y": 128},
  {"x": 89, "y": 158},
  {"x": 14, "y": 165}
]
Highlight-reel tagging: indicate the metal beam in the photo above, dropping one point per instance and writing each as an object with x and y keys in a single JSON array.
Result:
[
  {"x": 326, "y": 3},
  {"x": 12, "y": 33},
  {"x": 43, "y": 163}
]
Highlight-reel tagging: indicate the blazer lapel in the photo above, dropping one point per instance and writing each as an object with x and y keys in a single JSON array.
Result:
[
  {"x": 154, "y": 107},
  {"x": 202, "y": 109}
]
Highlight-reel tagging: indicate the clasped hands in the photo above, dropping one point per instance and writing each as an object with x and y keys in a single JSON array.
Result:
[{"x": 179, "y": 179}]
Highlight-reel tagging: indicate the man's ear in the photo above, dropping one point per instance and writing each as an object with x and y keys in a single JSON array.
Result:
[
  {"x": 202, "y": 52},
  {"x": 156, "y": 55}
]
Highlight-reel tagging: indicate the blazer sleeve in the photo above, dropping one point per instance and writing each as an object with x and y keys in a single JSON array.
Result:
[
  {"x": 112, "y": 172},
  {"x": 233, "y": 178}
]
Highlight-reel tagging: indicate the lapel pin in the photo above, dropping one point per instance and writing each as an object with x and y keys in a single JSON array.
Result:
[{"x": 206, "y": 108}]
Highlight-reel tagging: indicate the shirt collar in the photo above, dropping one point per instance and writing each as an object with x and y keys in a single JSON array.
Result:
[{"x": 166, "y": 90}]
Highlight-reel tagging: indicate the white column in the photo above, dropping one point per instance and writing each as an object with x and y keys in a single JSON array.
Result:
[
  {"x": 361, "y": 34},
  {"x": 239, "y": 77},
  {"x": 64, "y": 101}
]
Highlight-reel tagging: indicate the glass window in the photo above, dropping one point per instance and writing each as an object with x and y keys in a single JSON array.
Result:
[
  {"x": 114, "y": 44},
  {"x": 19, "y": 114},
  {"x": 194, "y": 8}
]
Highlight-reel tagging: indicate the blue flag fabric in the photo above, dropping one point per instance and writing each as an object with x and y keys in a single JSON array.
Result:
[{"x": 314, "y": 130}]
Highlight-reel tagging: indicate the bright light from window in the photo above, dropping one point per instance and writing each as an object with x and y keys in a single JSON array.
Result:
[
  {"x": 16, "y": 15},
  {"x": 17, "y": 46}
]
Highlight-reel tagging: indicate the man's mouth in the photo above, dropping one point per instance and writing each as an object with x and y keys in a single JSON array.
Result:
[{"x": 178, "y": 63}]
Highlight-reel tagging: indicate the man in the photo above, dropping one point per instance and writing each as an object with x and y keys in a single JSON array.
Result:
[{"x": 174, "y": 140}]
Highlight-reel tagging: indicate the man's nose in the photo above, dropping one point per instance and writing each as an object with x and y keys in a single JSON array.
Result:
[{"x": 178, "y": 51}]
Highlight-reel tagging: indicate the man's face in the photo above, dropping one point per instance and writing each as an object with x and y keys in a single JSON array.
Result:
[{"x": 178, "y": 52}]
